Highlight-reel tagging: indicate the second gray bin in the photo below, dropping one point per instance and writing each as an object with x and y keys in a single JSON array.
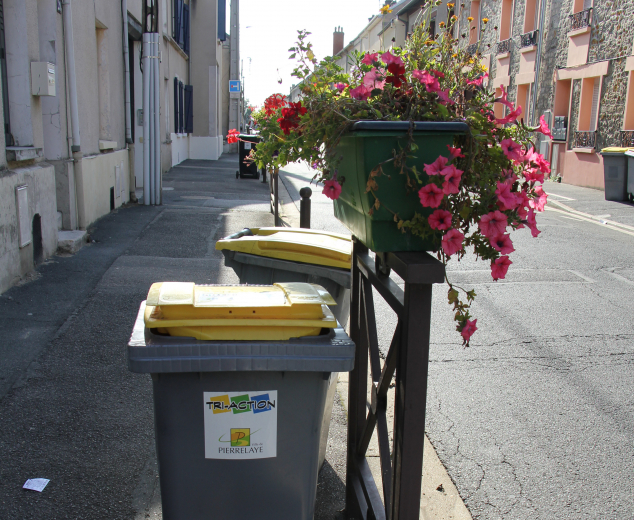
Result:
[
  {"x": 206, "y": 475},
  {"x": 615, "y": 175}
]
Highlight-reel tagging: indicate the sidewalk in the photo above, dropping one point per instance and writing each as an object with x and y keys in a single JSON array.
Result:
[{"x": 590, "y": 204}]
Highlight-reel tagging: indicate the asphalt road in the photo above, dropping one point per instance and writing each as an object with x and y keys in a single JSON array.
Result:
[{"x": 536, "y": 419}]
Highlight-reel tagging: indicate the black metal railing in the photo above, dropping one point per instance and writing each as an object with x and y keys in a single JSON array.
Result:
[
  {"x": 585, "y": 139},
  {"x": 627, "y": 139},
  {"x": 528, "y": 39},
  {"x": 407, "y": 363},
  {"x": 472, "y": 49},
  {"x": 503, "y": 46},
  {"x": 581, "y": 19}
]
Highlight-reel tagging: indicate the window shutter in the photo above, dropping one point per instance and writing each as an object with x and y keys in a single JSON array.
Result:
[
  {"x": 176, "y": 29},
  {"x": 181, "y": 111},
  {"x": 222, "y": 20},
  {"x": 189, "y": 109},
  {"x": 595, "y": 104},
  {"x": 182, "y": 21},
  {"x": 175, "y": 105},
  {"x": 186, "y": 28}
]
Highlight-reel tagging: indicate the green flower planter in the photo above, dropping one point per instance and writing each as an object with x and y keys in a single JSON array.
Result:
[{"x": 365, "y": 147}]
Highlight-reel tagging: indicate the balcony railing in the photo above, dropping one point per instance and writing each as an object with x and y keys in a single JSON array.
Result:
[
  {"x": 472, "y": 49},
  {"x": 585, "y": 140},
  {"x": 627, "y": 139},
  {"x": 504, "y": 46},
  {"x": 528, "y": 39},
  {"x": 581, "y": 19}
]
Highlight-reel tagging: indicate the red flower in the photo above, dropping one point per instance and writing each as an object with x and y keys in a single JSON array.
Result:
[
  {"x": 468, "y": 329},
  {"x": 499, "y": 267},
  {"x": 398, "y": 74},
  {"x": 272, "y": 103},
  {"x": 290, "y": 116},
  {"x": 232, "y": 136}
]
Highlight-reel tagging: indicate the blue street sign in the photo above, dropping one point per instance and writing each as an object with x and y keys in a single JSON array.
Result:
[{"x": 234, "y": 85}]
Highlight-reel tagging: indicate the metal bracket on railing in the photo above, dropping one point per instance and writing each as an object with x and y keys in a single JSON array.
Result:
[{"x": 407, "y": 359}]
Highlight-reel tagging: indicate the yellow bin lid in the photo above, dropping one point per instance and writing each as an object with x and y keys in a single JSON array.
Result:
[
  {"x": 294, "y": 244},
  {"x": 239, "y": 312}
]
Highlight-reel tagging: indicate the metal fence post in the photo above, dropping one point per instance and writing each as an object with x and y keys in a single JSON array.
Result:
[{"x": 304, "y": 207}]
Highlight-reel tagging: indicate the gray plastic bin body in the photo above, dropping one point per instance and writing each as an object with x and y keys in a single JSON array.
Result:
[
  {"x": 194, "y": 487},
  {"x": 630, "y": 175},
  {"x": 615, "y": 175}
]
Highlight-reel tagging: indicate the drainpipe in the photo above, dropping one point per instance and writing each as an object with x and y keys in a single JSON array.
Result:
[
  {"x": 157, "y": 122},
  {"x": 538, "y": 61},
  {"x": 146, "y": 119},
  {"x": 75, "y": 148}
]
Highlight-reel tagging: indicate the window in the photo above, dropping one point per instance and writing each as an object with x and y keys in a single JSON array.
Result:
[
  {"x": 506, "y": 19},
  {"x": 589, "y": 104},
  {"x": 180, "y": 28},
  {"x": 222, "y": 20},
  {"x": 582, "y": 5},
  {"x": 183, "y": 108},
  {"x": 474, "y": 25},
  {"x": 432, "y": 29},
  {"x": 530, "y": 16},
  {"x": 524, "y": 99},
  {"x": 628, "y": 123},
  {"x": 498, "y": 108}
]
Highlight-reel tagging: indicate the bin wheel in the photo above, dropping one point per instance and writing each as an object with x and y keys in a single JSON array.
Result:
[
  {"x": 382, "y": 269},
  {"x": 238, "y": 174}
]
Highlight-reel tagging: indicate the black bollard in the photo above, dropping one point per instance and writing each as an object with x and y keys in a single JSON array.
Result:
[{"x": 304, "y": 207}]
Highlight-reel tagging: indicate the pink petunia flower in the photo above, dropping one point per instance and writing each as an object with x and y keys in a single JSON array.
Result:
[
  {"x": 361, "y": 92},
  {"x": 543, "y": 127},
  {"x": 533, "y": 175},
  {"x": 493, "y": 224},
  {"x": 436, "y": 167},
  {"x": 506, "y": 198},
  {"x": 430, "y": 196},
  {"x": 373, "y": 80},
  {"x": 503, "y": 244},
  {"x": 509, "y": 176},
  {"x": 511, "y": 117},
  {"x": 452, "y": 242},
  {"x": 532, "y": 223},
  {"x": 443, "y": 96},
  {"x": 437, "y": 73},
  {"x": 539, "y": 202},
  {"x": 340, "y": 86},
  {"x": 369, "y": 59},
  {"x": 504, "y": 99},
  {"x": 544, "y": 165},
  {"x": 332, "y": 189},
  {"x": 452, "y": 180},
  {"x": 523, "y": 203},
  {"x": 440, "y": 219},
  {"x": 478, "y": 81},
  {"x": 430, "y": 82},
  {"x": 512, "y": 149},
  {"x": 500, "y": 267},
  {"x": 388, "y": 58},
  {"x": 468, "y": 329},
  {"x": 455, "y": 152}
]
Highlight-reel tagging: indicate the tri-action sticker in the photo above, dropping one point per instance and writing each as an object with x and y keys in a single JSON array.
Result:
[{"x": 240, "y": 425}]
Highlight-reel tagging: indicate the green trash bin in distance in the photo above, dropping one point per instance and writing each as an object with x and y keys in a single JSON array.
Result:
[
  {"x": 296, "y": 255},
  {"x": 630, "y": 174},
  {"x": 615, "y": 173},
  {"x": 192, "y": 379}
]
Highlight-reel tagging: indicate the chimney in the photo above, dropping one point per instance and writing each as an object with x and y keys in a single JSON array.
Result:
[{"x": 337, "y": 41}]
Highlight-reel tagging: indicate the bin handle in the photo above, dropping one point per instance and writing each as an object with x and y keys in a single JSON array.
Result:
[{"x": 246, "y": 232}]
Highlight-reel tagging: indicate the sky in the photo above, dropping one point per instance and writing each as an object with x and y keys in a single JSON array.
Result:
[{"x": 269, "y": 27}]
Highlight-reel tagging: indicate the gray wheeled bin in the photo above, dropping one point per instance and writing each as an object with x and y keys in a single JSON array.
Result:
[
  {"x": 630, "y": 174},
  {"x": 214, "y": 466},
  {"x": 246, "y": 144},
  {"x": 615, "y": 174},
  {"x": 253, "y": 268}
]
